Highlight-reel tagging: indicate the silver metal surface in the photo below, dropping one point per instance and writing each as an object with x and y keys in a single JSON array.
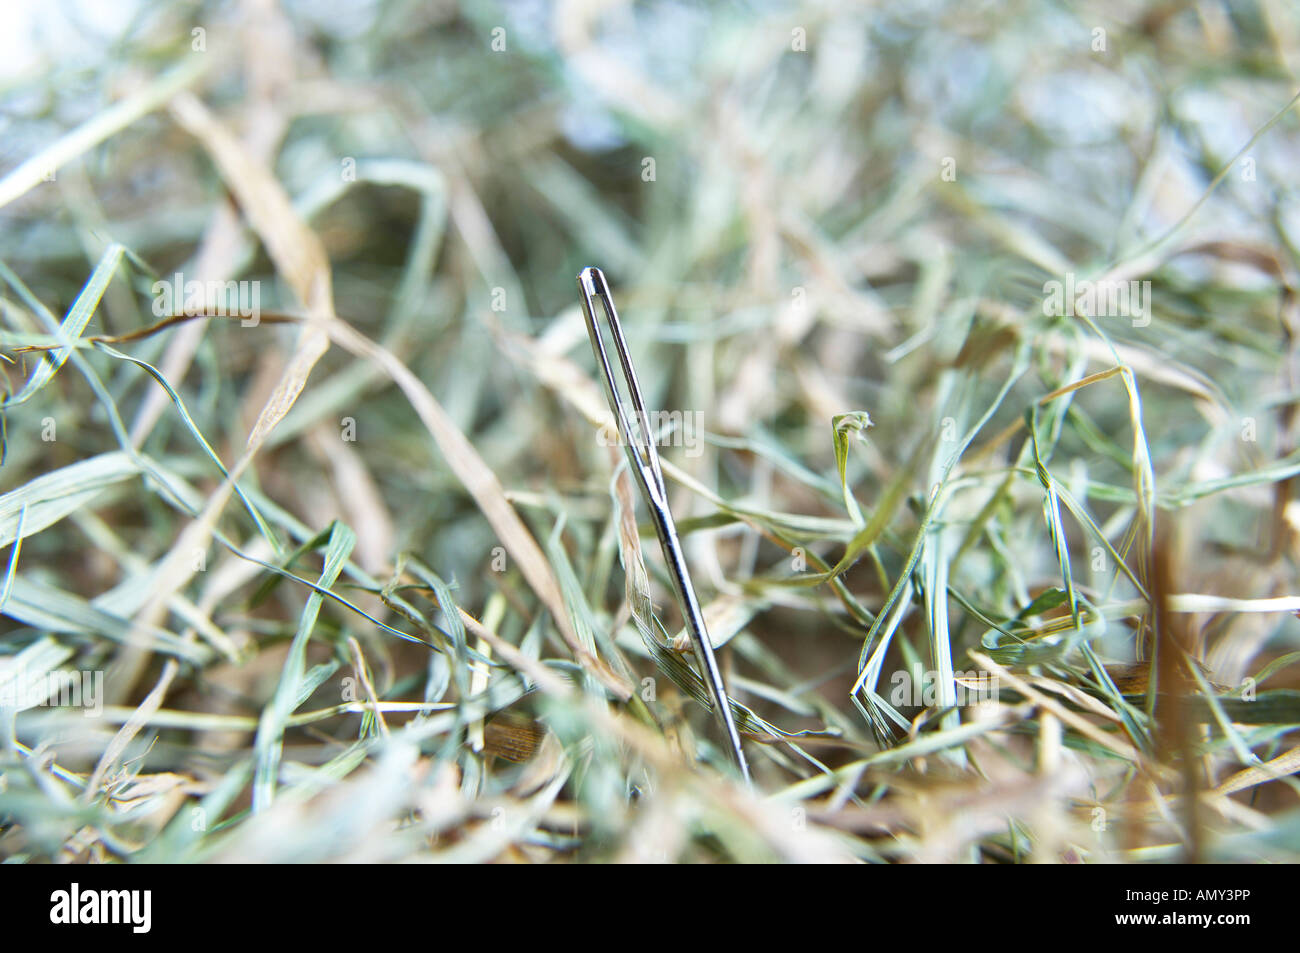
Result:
[{"x": 644, "y": 460}]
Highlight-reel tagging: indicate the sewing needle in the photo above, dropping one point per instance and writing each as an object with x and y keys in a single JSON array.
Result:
[{"x": 644, "y": 461}]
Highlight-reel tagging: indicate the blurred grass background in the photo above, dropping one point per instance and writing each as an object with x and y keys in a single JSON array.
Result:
[{"x": 416, "y": 629}]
